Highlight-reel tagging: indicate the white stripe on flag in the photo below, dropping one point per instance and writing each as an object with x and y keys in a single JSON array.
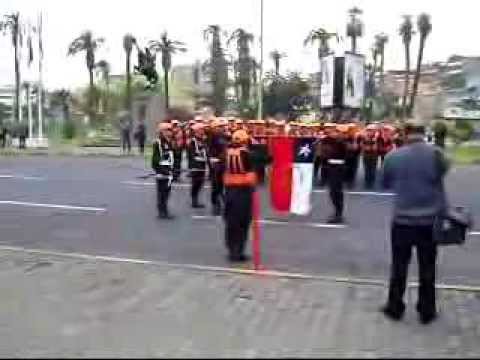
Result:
[{"x": 302, "y": 182}]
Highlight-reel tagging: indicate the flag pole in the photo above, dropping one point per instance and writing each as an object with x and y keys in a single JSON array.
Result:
[{"x": 260, "y": 83}]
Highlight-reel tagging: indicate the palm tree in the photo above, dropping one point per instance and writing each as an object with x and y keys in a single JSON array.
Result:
[
  {"x": 128, "y": 42},
  {"x": 216, "y": 67},
  {"x": 406, "y": 32},
  {"x": 103, "y": 67},
  {"x": 276, "y": 56},
  {"x": 86, "y": 42},
  {"x": 424, "y": 27},
  {"x": 167, "y": 48},
  {"x": 354, "y": 27},
  {"x": 323, "y": 38},
  {"x": 11, "y": 24},
  {"x": 245, "y": 65},
  {"x": 380, "y": 41}
]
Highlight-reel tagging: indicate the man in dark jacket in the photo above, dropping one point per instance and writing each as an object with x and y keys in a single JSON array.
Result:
[
  {"x": 197, "y": 163},
  {"x": 162, "y": 164},
  {"x": 415, "y": 172},
  {"x": 141, "y": 135}
]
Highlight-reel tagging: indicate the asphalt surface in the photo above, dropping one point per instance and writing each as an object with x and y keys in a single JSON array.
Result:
[{"x": 99, "y": 206}]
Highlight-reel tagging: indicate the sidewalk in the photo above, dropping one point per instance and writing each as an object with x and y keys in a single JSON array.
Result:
[
  {"x": 56, "y": 306},
  {"x": 70, "y": 151}
]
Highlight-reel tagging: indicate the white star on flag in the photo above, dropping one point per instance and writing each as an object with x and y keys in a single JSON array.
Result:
[{"x": 304, "y": 151}]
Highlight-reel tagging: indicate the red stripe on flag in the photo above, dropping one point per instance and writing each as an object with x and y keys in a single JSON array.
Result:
[{"x": 281, "y": 175}]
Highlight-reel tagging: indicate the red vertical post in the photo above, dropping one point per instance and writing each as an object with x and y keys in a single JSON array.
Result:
[{"x": 256, "y": 230}]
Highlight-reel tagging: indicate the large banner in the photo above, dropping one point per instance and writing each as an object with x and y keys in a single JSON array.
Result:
[
  {"x": 327, "y": 68},
  {"x": 353, "y": 80}
]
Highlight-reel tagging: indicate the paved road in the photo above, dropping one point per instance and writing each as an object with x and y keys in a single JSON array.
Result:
[
  {"x": 57, "y": 306},
  {"x": 113, "y": 213}
]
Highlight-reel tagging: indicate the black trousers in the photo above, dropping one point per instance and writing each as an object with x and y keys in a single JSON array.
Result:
[
  {"x": 22, "y": 142},
  {"x": 177, "y": 163},
  {"x": 126, "y": 143},
  {"x": 336, "y": 175},
  {"x": 370, "y": 164},
  {"x": 141, "y": 146},
  {"x": 238, "y": 217},
  {"x": 198, "y": 178},
  {"x": 216, "y": 195},
  {"x": 316, "y": 167},
  {"x": 351, "y": 163},
  {"x": 324, "y": 172},
  {"x": 404, "y": 238},
  {"x": 163, "y": 193}
]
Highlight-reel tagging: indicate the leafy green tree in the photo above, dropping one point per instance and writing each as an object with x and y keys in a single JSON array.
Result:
[
  {"x": 424, "y": 28},
  {"x": 354, "y": 27},
  {"x": 87, "y": 43},
  {"x": 216, "y": 68},
  {"x": 11, "y": 24},
  {"x": 128, "y": 42},
  {"x": 244, "y": 65},
  {"x": 167, "y": 48},
  {"x": 406, "y": 32}
]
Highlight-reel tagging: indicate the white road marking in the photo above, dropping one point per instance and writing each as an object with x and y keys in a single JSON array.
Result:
[
  {"x": 284, "y": 223},
  {"x": 53, "y": 206},
  {"x": 371, "y": 193},
  {"x": 186, "y": 185},
  {"x": 22, "y": 177},
  {"x": 240, "y": 271},
  {"x": 474, "y": 233}
]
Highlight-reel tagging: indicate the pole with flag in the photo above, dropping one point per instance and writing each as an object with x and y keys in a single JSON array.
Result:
[{"x": 40, "y": 80}]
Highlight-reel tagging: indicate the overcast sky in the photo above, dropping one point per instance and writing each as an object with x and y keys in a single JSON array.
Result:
[{"x": 287, "y": 23}]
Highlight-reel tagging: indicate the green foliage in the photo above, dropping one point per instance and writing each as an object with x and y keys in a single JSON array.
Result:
[
  {"x": 279, "y": 91},
  {"x": 68, "y": 130},
  {"x": 463, "y": 131}
]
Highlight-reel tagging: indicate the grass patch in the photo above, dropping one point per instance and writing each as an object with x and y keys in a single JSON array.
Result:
[{"x": 465, "y": 155}]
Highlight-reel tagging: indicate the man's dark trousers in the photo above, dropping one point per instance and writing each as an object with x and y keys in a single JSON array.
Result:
[
  {"x": 163, "y": 193},
  {"x": 404, "y": 238},
  {"x": 336, "y": 174}
]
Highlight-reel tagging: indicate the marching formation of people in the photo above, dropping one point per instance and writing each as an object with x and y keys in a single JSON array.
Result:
[{"x": 233, "y": 155}]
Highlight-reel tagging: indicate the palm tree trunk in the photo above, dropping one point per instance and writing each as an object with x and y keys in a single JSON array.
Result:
[
  {"x": 354, "y": 44},
  {"x": 382, "y": 67},
  {"x": 91, "y": 95},
  {"x": 165, "y": 80},
  {"x": 416, "y": 80},
  {"x": 17, "y": 109},
  {"x": 128, "y": 103},
  {"x": 407, "y": 80}
]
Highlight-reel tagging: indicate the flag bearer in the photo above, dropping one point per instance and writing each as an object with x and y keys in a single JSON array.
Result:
[{"x": 239, "y": 179}]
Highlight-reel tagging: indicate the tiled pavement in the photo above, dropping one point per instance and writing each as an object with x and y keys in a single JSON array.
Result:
[{"x": 69, "y": 307}]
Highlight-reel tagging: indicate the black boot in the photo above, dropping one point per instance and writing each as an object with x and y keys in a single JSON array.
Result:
[
  {"x": 197, "y": 205},
  {"x": 335, "y": 219}
]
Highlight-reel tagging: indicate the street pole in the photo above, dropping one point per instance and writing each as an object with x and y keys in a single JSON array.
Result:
[
  {"x": 260, "y": 83},
  {"x": 40, "y": 84}
]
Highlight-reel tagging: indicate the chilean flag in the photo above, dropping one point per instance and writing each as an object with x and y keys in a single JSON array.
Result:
[{"x": 292, "y": 174}]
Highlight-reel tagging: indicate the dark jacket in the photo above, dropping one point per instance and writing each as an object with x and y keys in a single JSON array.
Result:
[
  {"x": 197, "y": 155},
  {"x": 162, "y": 158},
  {"x": 415, "y": 172}
]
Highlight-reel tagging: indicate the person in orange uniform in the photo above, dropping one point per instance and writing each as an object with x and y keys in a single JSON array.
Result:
[
  {"x": 353, "y": 155},
  {"x": 385, "y": 141},
  {"x": 239, "y": 179},
  {"x": 369, "y": 148},
  {"x": 197, "y": 163},
  {"x": 178, "y": 144}
]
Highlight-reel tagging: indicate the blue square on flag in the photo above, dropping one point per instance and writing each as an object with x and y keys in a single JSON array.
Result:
[{"x": 304, "y": 150}]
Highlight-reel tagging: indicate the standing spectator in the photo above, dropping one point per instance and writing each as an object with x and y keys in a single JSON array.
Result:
[
  {"x": 125, "y": 128},
  {"x": 141, "y": 135},
  {"x": 22, "y": 136},
  {"x": 3, "y": 136},
  {"x": 415, "y": 172}
]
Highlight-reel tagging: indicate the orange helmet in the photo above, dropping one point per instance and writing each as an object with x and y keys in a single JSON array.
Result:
[
  {"x": 164, "y": 126},
  {"x": 175, "y": 122},
  {"x": 240, "y": 137},
  {"x": 198, "y": 127}
]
